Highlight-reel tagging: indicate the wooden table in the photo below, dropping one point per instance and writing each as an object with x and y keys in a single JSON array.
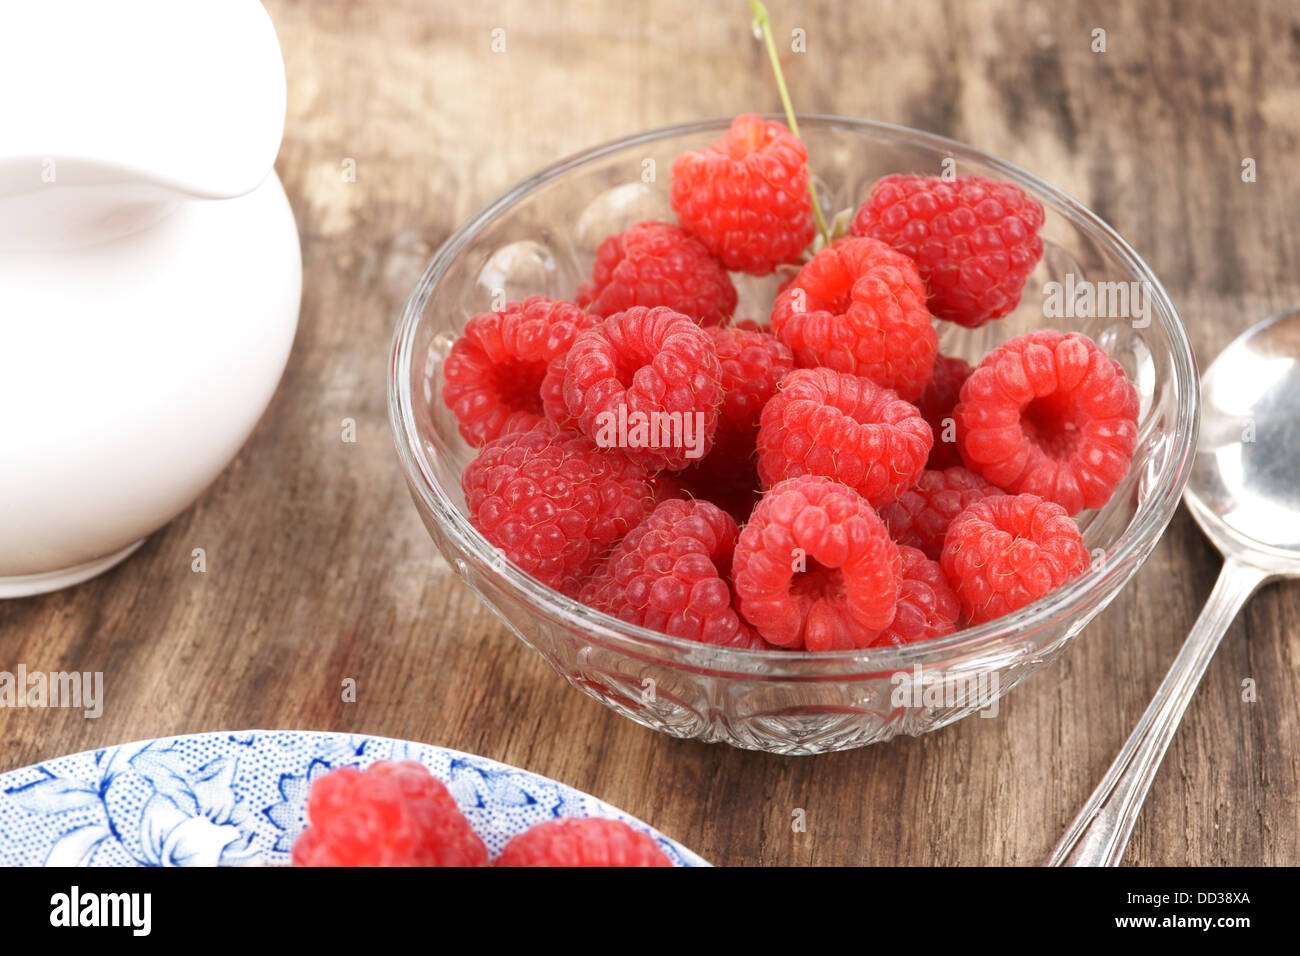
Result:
[{"x": 318, "y": 568}]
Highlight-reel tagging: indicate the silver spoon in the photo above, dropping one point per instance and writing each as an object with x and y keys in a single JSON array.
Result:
[{"x": 1244, "y": 492}]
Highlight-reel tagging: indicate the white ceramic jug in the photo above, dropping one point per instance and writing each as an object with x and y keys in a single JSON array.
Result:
[{"x": 150, "y": 273}]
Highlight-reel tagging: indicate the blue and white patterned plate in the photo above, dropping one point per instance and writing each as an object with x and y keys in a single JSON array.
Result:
[{"x": 238, "y": 799}]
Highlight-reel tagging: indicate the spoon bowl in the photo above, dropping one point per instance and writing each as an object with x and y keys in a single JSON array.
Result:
[{"x": 1244, "y": 491}]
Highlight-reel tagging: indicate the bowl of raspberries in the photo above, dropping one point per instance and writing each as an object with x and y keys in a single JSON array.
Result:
[{"x": 792, "y": 439}]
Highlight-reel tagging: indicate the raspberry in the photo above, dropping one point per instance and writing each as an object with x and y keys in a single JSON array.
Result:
[
  {"x": 921, "y": 515},
  {"x": 927, "y": 604},
  {"x": 815, "y": 568},
  {"x": 669, "y": 574},
  {"x": 591, "y": 841},
  {"x": 394, "y": 814},
  {"x": 745, "y": 197},
  {"x": 552, "y": 501},
  {"x": 414, "y": 781},
  {"x": 752, "y": 364},
  {"x": 656, "y": 263},
  {"x": 1049, "y": 414},
  {"x": 1007, "y": 551},
  {"x": 823, "y": 422},
  {"x": 645, "y": 381},
  {"x": 494, "y": 371},
  {"x": 936, "y": 404},
  {"x": 859, "y": 307},
  {"x": 974, "y": 240}
]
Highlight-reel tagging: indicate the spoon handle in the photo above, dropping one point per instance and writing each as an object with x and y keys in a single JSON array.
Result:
[{"x": 1101, "y": 831}]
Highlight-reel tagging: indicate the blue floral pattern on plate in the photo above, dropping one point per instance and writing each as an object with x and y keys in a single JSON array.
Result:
[{"x": 239, "y": 799}]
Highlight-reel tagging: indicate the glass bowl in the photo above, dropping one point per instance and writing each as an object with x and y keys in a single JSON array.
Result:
[{"x": 540, "y": 236}]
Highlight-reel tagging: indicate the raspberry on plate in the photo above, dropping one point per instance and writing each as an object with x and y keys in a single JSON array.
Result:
[
  {"x": 823, "y": 422},
  {"x": 590, "y": 841},
  {"x": 859, "y": 307},
  {"x": 657, "y": 263},
  {"x": 494, "y": 371},
  {"x": 552, "y": 502},
  {"x": 927, "y": 604},
  {"x": 921, "y": 515},
  {"x": 645, "y": 381},
  {"x": 1049, "y": 414},
  {"x": 745, "y": 197},
  {"x": 393, "y": 814},
  {"x": 936, "y": 404},
  {"x": 669, "y": 574},
  {"x": 974, "y": 240},
  {"x": 815, "y": 568},
  {"x": 1007, "y": 551}
]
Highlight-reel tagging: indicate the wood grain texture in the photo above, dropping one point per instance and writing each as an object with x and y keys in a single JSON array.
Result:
[{"x": 319, "y": 569}]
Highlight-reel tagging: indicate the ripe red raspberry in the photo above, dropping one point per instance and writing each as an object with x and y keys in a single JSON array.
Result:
[
  {"x": 552, "y": 501},
  {"x": 1049, "y": 414},
  {"x": 669, "y": 574},
  {"x": 646, "y": 381},
  {"x": 936, "y": 404},
  {"x": 745, "y": 197},
  {"x": 752, "y": 364},
  {"x": 1007, "y": 551},
  {"x": 815, "y": 568},
  {"x": 394, "y": 814},
  {"x": 921, "y": 515},
  {"x": 591, "y": 841},
  {"x": 859, "y": 307},
  {"x": 974, "y": 240},
  {"x": 494, "y": 372},
  {"x": 927, "y": 604},
  {"x": 656, "y": 263},
  {"x": 823, "y": 422}
]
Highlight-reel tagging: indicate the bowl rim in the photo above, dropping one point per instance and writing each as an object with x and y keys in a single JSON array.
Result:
[{"x": 1101, "y": 577}]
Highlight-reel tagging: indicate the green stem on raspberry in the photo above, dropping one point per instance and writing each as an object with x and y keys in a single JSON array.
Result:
[{"x": 763, "y": 24}]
